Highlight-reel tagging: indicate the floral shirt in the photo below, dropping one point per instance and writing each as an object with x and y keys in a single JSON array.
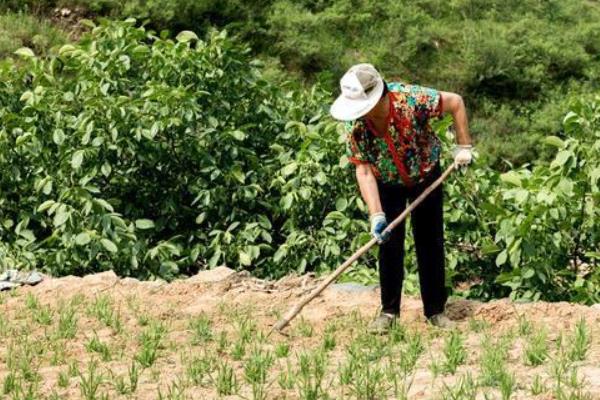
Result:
[{"x": 409, "y": 149}]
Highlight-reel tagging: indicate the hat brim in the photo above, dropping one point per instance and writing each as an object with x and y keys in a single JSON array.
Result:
[{"x": 345, "y": 109}]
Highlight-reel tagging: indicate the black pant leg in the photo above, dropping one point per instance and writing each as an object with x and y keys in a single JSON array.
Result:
[
  {"x": 391, "y": 253},
  {"x": 428, "y": 231}
]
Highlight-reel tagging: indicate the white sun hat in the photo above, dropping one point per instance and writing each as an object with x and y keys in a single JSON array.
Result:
[{"x": 362, "y": 87}]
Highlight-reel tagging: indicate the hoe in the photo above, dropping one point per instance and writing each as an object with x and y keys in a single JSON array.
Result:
[{"x": 294, "y": 311}]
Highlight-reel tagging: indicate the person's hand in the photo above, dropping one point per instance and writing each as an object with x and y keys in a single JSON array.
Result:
[
  {"x": 378, "y": 225},
  {"x": 462, "y": 155}
]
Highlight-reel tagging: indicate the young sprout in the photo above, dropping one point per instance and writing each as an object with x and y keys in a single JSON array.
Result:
[
  {"x": 256, "y": 369},
  {"x": 282, "y": 349},
  {"x": 537, "y": 386},
  {"x": 493, "y": 360},
  {"x": 225, "y": 381},
  {"x": 201, "y": 327},
  {"x": 310, "y": 375},
  {"x": 90, "y": 382},
  {"x": 580, "y": 342},
  {"x": 454, "y": 352},
  {"x": 536, "y": 349}
]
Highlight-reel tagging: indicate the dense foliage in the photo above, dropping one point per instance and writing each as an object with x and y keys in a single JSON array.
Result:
[
  {"x": 516, "y": 62},
  {"x": 156, "y": 157}
]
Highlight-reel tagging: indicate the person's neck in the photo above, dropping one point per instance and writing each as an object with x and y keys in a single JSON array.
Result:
[{"x": 381, "y": 110}]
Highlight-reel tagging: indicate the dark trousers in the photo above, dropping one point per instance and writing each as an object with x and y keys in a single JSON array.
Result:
[{"x": 428, "y": 232}]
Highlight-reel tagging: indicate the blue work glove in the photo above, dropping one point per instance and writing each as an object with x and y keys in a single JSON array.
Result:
[{"x": 378, "y": 225}]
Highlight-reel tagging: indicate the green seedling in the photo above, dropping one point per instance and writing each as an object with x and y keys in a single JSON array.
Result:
[
  {"x": 67, "y": 321},
  {"x": 537, "y": 386},
  {"x": 525, "y": 326},
  {"x": 41, "y": 314},
  {"x": 362, "y": 373},
  {"x": 310, "y": 375},
  {"x": 536, "y": 348},
  {"x": 256, "y": 369},
  {"x": 225, "y": 381},
  {"x": 119, "y": 384},
  {"x": 175, "y": 391},
  {"x": 287, "y": 378},
  {"x": 150, "y": 342},
  {"x": 580, "y": 342},
  {"x": 63, "y": 379},
  {"x": 9, "y": 384},
  {"x": 199, "y": 369},
  {"x": 74, "y": 368},
  {"x": 465, "y": 388},
  {"x": 401, "y": 382},
  {"x": 96, "y": 346},
  {"x": 454, "y": 352},
  {"x": 239, "y": 350},
  {"x": 507, "y": 385},
  {"x": 411, "y": 353},
  {"x": 305, "y": 329},
  {"x": 201, "y": 327},
  {"x": 103, "y": 310},
  {"x": 328, "y": 341},
  {"x": 246, "y": 329},
  {"x": 493, "y": 360},
  {"x": 397, "y": 334},
  {"x": 282, "y": 349},
  {"x": 4, "y": 326},
  {"x": 90, "y": 382},
  {"x": 58, "y": 352},
  {"x": 133, "y": 372},
  {"x": 222, "y": 342}
]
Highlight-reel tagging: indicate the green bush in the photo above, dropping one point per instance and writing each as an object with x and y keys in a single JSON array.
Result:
[
  {"x": 154, "y": 157},
  {"x": 534, "y": 232}
]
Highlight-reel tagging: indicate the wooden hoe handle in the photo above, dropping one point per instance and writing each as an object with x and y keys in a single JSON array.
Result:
[{"x": 294, "y": 311}]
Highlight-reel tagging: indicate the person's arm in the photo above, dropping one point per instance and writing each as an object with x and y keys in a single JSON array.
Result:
[
  {"x": 368, "y": 188},
  {"x": 454, "y": 104}
]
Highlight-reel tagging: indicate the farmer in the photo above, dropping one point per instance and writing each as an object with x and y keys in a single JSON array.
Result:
[{"x": 397, "y": 154}]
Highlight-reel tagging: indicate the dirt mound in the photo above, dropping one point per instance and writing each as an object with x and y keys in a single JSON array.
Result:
[{"x": 222, "y": 293}]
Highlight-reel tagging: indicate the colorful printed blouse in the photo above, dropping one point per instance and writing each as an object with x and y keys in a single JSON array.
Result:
[{"x": 409, "y": 149}]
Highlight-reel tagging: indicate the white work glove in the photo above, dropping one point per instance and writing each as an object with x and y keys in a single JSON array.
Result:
[{"x": 462, "y": 155}]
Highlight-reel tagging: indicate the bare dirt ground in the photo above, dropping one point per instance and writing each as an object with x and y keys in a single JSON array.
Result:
[{"x": 37, "y": 355}]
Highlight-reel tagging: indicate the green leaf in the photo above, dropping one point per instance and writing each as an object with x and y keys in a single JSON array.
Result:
[
  {"x": 61, "y": 216},
  {"x": 528, "y": 273},
  {"x": 144, "y": 224},
  {"x": 109, "y": 245},
  {"x": 77, "y": 159},
  {"x": 82, "y": 239},
  {"x": 45, "y": 205},
  {"x": 501, "y": 258},
  {"x": 289, "y": 169},
  {"x": 341, "y": 204},
  {"x": 104, "y": 204},
  {"x": 554, "y": 141},
  {"x": 512, "y": 177},
  {"x": 238, "y": 135},
  {"x": 58, "y": 136},
  {"x": 561, "y": 158},
  {"x": 25, "y": 52},
  {"x": 186, "y": 36},
  {"x": 245, "y": 258},
  {"x": 238, "y": 174},
  {"x": 200, "y": 218}
]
